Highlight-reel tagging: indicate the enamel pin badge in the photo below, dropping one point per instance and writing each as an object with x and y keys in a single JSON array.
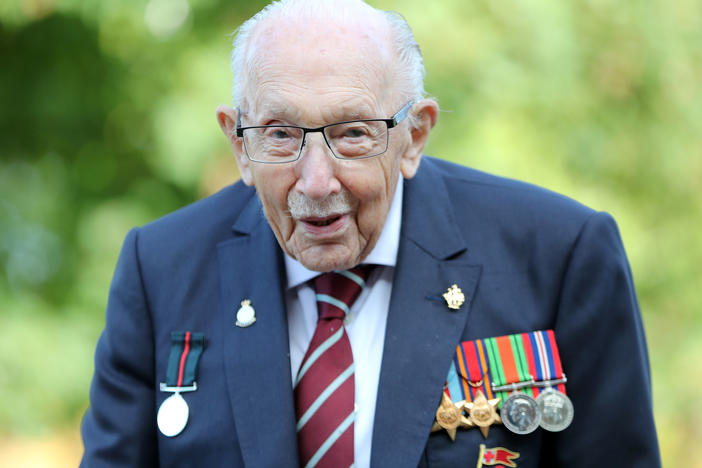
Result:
[
  {"x": 246, "y": 315},
  {"x": 497, "y": 456}
]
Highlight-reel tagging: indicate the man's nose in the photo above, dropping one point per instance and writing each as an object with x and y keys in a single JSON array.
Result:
[{"x": 316, "y": 169}]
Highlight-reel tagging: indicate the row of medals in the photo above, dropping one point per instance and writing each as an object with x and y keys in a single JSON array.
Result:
[{"x": 520, "y": 413}]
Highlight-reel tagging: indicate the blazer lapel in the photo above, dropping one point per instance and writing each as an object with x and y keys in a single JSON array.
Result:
[
  {"x": 256, "y": 358},
  {"x": 422, "y": 332}
]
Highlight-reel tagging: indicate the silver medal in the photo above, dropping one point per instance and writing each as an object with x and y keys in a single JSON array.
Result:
[
  {"x": 556, "y": 410},
  {"x": 520, "y": 413},
  {"x": 172, "y": 415}
]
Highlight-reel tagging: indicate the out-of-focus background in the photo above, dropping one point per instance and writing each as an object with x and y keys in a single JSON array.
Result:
[{"x": 107, "y": 121}]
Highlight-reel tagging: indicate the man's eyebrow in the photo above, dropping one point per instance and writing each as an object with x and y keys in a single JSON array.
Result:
[
  {"x": 278, "y": 110},
  {"x": 275, "y": 110}
]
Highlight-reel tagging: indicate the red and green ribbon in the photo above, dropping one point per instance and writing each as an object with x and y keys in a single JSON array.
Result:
[
  {"x": 186, "y": 348},
  {"x": 508, "y": 363}
]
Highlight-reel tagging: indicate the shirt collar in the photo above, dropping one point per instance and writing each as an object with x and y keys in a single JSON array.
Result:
[{"x": 385, "y": 250}]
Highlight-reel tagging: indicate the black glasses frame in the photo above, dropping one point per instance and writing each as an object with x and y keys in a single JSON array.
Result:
[{"x": 392, "y": 122}]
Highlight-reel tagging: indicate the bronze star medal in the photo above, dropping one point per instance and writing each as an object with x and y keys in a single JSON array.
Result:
[
  {"x": 449, "y": 416},
  {"x": 483, "y": 413}
]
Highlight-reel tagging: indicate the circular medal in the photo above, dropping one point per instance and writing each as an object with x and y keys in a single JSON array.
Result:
[
  {"x": 172, "y": 415},
  {"x": 556, "y": 410},
  {"x": 520, "y": 413}
]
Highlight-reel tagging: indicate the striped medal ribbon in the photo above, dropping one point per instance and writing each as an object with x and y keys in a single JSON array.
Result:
[{"x": 469, "y": 372}]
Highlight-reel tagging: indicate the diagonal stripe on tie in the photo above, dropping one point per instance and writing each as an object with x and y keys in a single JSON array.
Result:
[
  {"x": 353, "y": 277},
  {"x": 324, "y": 386},
  {"x": 333, "y": 301},
  {"x": 330, "y": 441},
  {"x": 323, "y": 397},
  {"x": 328, "y": 343}
]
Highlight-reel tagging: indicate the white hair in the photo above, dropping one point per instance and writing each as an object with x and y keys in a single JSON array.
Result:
[{"x": 408, "y": 53}]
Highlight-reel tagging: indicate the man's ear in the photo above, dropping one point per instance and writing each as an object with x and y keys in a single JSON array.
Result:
[
  {"x": 425, "y": 114},
  {"x": 226, "y": 117}
]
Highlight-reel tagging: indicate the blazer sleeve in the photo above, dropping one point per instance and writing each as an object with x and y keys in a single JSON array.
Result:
[
  {"x": 603, "y": 349},
  {"x": 119, "y": 427}
]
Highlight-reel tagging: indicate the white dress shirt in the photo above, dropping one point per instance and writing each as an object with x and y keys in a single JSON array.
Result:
[{"x": 365, "y": 324}]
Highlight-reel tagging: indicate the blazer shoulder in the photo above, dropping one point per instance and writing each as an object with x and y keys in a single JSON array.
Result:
[
  {"x": 214, "y": 215},
  {"x": 192, "y": 233},
  {"x": 502, "y": 198}
]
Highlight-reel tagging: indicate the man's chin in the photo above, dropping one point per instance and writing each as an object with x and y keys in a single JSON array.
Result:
[{"x": 328, "y": 257}]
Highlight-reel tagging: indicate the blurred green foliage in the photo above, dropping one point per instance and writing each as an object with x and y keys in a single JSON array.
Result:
[{"x": 107, "y": 121}]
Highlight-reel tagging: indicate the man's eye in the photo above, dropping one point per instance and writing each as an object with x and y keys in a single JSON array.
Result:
[
  {"x": 279, "y": 133},
  {"x": 354, "y": 133}
]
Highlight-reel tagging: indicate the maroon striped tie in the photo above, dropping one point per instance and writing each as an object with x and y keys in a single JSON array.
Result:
[{"x": 324, "y": 388}]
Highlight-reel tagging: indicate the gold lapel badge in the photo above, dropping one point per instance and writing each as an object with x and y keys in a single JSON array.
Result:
[
  {"x": 454, "y": 297},
  {"x": 246, "y": 315}
]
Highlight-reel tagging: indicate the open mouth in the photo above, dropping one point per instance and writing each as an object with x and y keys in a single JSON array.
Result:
[
  {"x": 327, "y": 225},
  {"x": 323, "y": 222}
]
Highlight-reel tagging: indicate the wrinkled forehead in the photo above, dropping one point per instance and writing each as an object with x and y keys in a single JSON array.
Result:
[{"x": 295, "y": 57}]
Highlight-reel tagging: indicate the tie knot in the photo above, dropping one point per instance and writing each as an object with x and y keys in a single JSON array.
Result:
[{"x": 337, "y": 290}]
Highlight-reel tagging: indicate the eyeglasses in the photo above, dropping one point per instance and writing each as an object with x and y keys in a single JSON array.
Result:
[{"x": 352, "y": 139}]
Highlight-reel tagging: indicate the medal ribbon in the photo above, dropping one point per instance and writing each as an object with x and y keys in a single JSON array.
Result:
[
  {"x": 508, "y": 363},
  {"x": 469, "y": 372},
  {"x": 543, "y": 358},
  {"x": 186, "y": 348},
  {"x": 504, "y": 360}
]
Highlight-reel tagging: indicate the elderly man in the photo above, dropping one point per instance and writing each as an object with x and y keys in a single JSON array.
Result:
[{"x": 451, "y": 305}]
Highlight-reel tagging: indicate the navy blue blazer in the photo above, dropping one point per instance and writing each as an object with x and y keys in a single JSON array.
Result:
[{"x": 526, "y": 259}]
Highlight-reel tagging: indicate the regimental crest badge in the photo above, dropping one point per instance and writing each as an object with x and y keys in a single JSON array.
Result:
[
  {"x": 246, "y": 315},
  {"x": 454, "y": 297},
  {"x": 496, "y": 456}
]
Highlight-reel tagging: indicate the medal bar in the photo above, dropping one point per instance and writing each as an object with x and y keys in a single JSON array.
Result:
[
  {"x": 189, "y": 388},
  {"x": 529, "y": 383}
]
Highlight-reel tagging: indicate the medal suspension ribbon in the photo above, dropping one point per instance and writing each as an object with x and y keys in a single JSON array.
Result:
[
  {"x": 508, "y": 363},
  {"x": 543, "y": 359},
  {"x": 186, "y": 348},
  {"x": 523, "y": 358},
  {"x": 470, "y": 372}
]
